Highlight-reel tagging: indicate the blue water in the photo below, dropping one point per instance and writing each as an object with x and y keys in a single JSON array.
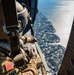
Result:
[
  {"x": 60, "y": 13},
  {"x": 48, "y": 6}
]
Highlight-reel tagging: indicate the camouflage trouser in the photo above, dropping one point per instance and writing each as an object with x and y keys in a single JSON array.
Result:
[
  {"x": 34, "y": 63},
  {"x": 32, "y": 66}
]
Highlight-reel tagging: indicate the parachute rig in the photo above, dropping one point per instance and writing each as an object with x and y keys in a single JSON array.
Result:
[{"x": 20, "y": 53}]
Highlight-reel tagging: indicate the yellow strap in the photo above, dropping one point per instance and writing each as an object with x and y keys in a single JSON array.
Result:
[{"x": 32, "y": 69}]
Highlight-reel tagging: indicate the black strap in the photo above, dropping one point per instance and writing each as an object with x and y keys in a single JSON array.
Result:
[
  {"x": 28, "y": 27},
  {"x": 9, "y": 9}
]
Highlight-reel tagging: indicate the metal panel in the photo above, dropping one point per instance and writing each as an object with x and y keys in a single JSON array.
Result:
[{"x": 67, "y": 67}]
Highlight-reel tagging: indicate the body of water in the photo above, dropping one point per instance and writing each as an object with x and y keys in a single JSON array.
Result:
[{"x": 60, "y": 13}]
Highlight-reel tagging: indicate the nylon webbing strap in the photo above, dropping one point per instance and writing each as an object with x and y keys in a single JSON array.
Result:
[
  {"x": 9, "y": 13},
  {"x": 34, "y": 9},
  {"x": 9, "y": 9},
  {"x": 67, "y": 67}
]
